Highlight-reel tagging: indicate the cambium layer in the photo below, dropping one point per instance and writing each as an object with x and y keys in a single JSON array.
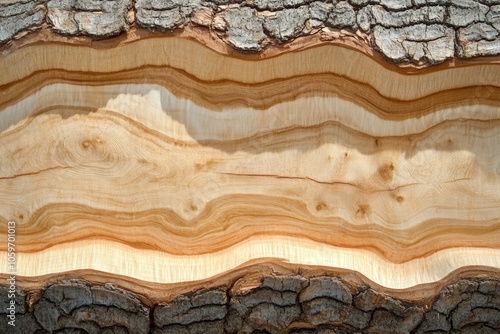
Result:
[{"x": 162, "y": 181}]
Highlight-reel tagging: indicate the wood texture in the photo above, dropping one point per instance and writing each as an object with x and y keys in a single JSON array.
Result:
[
  {"x": 264, "y": 166},
  {"x": 121, "y": 163}
]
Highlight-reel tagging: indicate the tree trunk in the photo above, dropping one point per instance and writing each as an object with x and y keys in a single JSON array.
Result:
[{"x": 250, "y": 166}]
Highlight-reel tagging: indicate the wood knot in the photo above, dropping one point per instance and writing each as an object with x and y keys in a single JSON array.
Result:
[
  {"x": 363, "y": 211},
  {"x": 91, "y": 142},
  {"x": 321, "y": 206},
  {"x": 386, "y": 172}
]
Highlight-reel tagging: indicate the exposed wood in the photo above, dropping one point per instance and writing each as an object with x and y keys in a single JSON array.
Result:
[
  {"x": 177, "y": 177},
  {"x": 170, "y": 165}
]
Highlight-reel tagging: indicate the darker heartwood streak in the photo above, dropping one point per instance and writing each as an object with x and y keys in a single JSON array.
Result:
[
  {"x": 279, "y": 304},
  {"x": 418, "y": 31}
]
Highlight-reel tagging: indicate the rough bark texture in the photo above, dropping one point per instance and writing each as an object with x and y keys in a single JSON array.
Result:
[
  {"x": 418, "y": 31},
  {"x": 279, "y": 304}
]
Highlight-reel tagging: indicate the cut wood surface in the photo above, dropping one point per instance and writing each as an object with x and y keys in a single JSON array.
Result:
[
  {"x": 322, "y": 177},
  {"x": 168, "y": 163}
]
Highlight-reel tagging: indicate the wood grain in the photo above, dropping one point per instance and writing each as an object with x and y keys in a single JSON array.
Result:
[{"x": 175, "y": 169}]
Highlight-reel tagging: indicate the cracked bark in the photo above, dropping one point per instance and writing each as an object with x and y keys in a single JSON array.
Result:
[
  {"x": 467, "y": 28},
  {"x": 277, "y": 304}
]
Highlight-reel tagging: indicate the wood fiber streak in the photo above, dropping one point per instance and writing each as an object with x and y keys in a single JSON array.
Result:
[
  {"x": 223, "y": 94},
  {"x": 208, "y": 65}
]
